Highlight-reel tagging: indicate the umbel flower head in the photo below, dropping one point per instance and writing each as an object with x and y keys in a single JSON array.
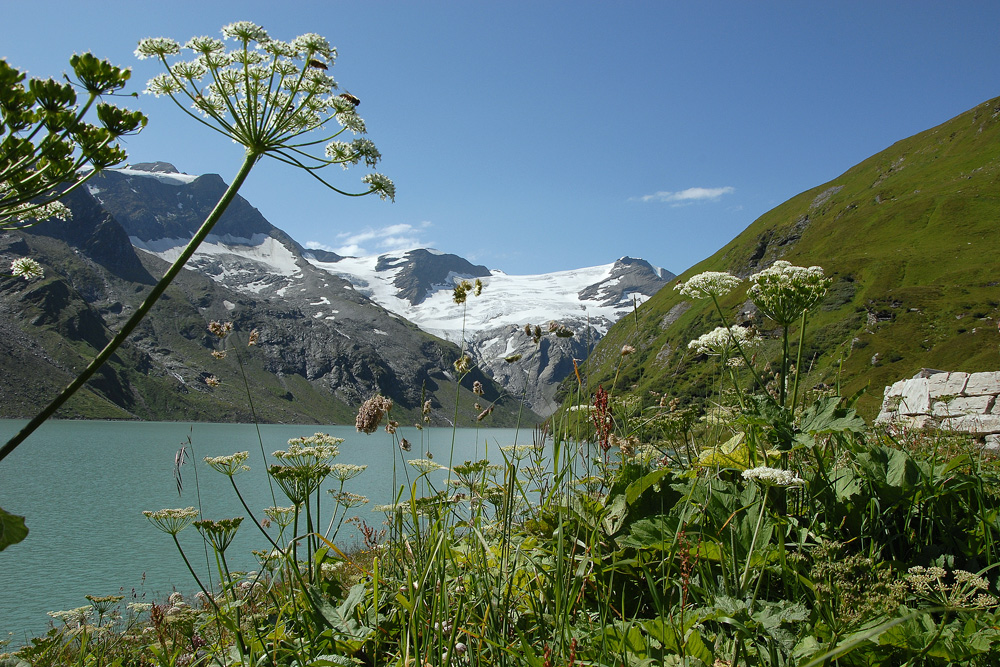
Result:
[
  {"x": 723, "y": 342},
  {"x": 230, "y": 465},
  {"x": 708, "y": 284},
  {"x": 773, "y": 476},
  {"x": 783, "y": 291},
  {"x": 172, "y": 521},
  {"x": 219, "y": 533},
  {"x": 268, "y": 96},
  {"x": 26, "y": 267}
]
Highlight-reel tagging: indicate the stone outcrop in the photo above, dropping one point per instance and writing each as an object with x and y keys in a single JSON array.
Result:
[{"x": 946, "y": 401}]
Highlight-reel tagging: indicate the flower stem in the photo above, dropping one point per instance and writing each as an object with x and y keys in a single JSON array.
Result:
[{"x": 248, "y": 163}]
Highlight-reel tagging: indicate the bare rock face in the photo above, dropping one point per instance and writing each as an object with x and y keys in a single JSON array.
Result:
[{"x": 948, "y": 401}]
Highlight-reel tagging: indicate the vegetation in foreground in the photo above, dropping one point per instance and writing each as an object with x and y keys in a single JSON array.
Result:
[{"x": 761, "y": 533}]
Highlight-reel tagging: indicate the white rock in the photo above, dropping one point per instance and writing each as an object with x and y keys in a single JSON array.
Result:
[
  {"x": 915, "y": 399},
  {"x": 980, "y": 384},
  {"x": 895, "y": 389},
  {"x": 946, "y": 384},
  {"x": 963, "y": 405},
  {"x": 993, "y": 442},
  {"x": 977, "y": 424}
]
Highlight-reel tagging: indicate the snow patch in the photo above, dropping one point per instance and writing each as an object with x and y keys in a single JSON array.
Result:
[{"x": 170, "y": 178}]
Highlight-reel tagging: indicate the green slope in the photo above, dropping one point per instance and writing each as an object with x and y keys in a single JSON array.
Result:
[{"x": 910, "y": 235}]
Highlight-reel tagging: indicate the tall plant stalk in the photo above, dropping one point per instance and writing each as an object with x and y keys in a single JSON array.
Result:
[{"x": 248, "y": 163}]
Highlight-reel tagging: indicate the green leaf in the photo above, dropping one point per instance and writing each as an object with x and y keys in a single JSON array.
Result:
[
  {"x": 654, "y": 533},
  {"x": 826, "y": 416},
  {"x": 616, "y": 510},
  {"x": 902, "y": 471},
  {"x": 734, "y": 453},
  {"x": 12, "y": 529},
  {"x": 638, "y": 487}
]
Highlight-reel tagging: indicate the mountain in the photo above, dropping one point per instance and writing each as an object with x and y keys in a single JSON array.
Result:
[
  {"x": 323, "y": 347},
  {"x": 909, "y": 235},
  {"x": 332, "y": 330},
  {"x": 419, "y": 286},
  {"x": 160, "y": 209}
]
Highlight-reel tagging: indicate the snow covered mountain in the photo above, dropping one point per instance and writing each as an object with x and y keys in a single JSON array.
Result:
[
  {"x": 160, "y": 209},
  {"x": 600, "y": 294}
]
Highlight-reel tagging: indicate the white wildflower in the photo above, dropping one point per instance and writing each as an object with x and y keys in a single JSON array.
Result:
[
  {"x": 346, "y": 471},
  {"x": 26, "y": 267},
  {"x": 230, "y": 465},
  {"x": 425, "y": 465},
  {"x": 708, "y": 284},
  {"x": 157, "y": 47},
  {"x": 773, "y": 476},
  {"x": 725, "y": 342},
  {"x": 783, "y": 291}
]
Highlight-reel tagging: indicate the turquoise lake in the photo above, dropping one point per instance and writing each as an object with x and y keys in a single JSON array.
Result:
[{"x": 82, "y": 487}]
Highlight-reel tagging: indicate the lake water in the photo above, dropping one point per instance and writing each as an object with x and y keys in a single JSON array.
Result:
[{"x": 82, "y": 486}]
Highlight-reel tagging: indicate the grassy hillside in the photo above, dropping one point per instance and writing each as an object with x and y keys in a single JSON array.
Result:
[{"x": 910, "y": 236}]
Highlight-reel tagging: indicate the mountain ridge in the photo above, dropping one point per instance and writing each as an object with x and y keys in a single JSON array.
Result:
[{"x": 321, "y": 337}]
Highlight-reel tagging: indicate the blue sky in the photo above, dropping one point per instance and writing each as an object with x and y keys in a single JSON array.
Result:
[{"x": 541, "y": 136}]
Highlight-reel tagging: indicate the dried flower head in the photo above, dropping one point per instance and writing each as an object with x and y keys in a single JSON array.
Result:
[
  {"x": 212, "y": 381},
  {"x": 219, "y": 354},
  {"x": 461, "y": 291},
  {"x": 627, "y": 350},
  {"x": 371, "y": 412},
  {"x": 463, "y": 364},
  {"x": 254, "y": 337},
  {"x": 405, "y": 444},
  {"x": 477, "y": 388},
  {"x": 221, "y": 329}
]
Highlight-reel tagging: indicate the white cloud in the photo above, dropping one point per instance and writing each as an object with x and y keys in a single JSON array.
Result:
[
  {"x": 689, "y": 196},
  {"x": 372, "y": 241}
]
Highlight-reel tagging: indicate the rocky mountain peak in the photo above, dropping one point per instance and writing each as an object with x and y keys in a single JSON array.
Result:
[
  {"x": 420, "y": 271},
  {"x": 156, "y": 167}
]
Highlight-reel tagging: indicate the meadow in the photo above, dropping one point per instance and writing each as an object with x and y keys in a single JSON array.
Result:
[
  {"x": 771, "y": 526},
  {"x": 768, "y": 525}
]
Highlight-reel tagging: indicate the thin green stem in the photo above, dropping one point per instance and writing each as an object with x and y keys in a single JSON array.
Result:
[
  {"x": 248, "y": 163},
  {"x": 798, "y": 362}
]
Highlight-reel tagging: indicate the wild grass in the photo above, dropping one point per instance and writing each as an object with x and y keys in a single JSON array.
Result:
[{"x": 629, "y": 530}]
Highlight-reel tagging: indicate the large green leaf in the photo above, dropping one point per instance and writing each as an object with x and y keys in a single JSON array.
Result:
[
  {"x": 827, "y": 416},
  {"x": 12, "y": 529}
]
